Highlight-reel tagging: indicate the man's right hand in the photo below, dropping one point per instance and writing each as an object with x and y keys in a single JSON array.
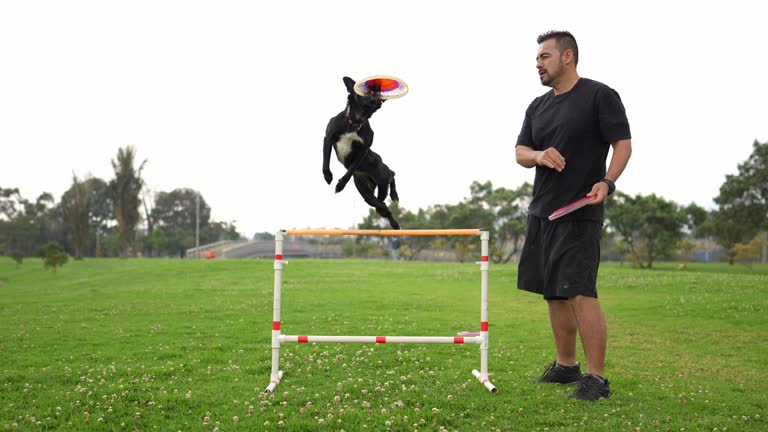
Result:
[
  {"x": 550, "y": 158},
  {"x": 328, "y": 175}
]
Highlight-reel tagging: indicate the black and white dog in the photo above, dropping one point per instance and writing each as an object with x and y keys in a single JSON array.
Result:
[{"x": 351, "y": 136}]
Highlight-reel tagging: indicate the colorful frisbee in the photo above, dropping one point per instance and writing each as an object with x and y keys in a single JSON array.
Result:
[
  {"x": 381, "y": 87},
  {"x": 572, "y": 207}
]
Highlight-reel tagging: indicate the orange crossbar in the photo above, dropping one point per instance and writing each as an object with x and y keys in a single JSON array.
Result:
[{"x": 371, "y": 232}]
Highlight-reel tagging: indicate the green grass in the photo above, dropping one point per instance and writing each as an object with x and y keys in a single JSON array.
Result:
[{"x": 185, "y": 345}]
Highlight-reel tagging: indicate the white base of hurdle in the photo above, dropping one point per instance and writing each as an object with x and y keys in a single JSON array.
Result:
[
  {"x": 483, "y": 378},
  {"x": 478, "y": 338},
  {"x": 275, "y": 381}
]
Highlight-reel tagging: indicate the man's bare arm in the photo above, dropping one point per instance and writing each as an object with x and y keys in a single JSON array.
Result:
[
  {"x": 622, "y": 150},
  {"x": 529, "y": 158}
]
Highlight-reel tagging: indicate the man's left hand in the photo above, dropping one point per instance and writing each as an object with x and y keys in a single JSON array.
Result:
[{"x": 598, "y": 193}]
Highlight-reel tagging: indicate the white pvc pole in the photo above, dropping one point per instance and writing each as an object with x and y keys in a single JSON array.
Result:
[
  {"x": 272, "y": 384},
  {"x": 482, "y": 375},
  {"x": 484, "y": 381},
  {"x": 382, "y": 339},
  {"x": 277, "y": 374}
]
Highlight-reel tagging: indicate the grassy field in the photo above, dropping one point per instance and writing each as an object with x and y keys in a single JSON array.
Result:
[{"x": 169, "y": 345}]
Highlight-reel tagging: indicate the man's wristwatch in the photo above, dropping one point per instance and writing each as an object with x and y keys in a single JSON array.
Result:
[{"x": 611, "y": 185}]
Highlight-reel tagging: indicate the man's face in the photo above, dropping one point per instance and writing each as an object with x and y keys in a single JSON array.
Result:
[{"x": 549, "y": 62}]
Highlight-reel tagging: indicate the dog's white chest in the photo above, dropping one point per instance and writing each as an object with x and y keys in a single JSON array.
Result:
[{"x": 345, "y": 143}]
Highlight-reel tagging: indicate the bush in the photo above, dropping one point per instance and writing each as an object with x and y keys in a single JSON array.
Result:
[
  {"x": 53, "y": 256},
  {"x": 18, "y": 257}
]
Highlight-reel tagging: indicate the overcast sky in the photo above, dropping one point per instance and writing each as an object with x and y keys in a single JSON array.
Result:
[{"x": 231, "y": 98}]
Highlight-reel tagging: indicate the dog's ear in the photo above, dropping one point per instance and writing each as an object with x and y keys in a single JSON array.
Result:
[{"x": 350, "y": 83}]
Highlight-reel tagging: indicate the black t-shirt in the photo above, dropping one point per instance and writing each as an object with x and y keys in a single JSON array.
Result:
[{"x": 581, "y": 124}]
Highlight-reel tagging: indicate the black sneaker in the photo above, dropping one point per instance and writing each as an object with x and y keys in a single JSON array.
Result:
[
  {"x": 556, "y": 373},
  {"x": 592, "y": 388}
]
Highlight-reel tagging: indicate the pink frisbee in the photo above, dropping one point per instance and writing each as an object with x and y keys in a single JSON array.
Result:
[{"x": 569, "y": 208}]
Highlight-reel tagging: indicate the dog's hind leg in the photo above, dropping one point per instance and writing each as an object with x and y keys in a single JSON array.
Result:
[
  {"x": 383, "y": 190},
  {"x": 365, "y": 185},
  {"x": 392, "y": 189},
  {"x": 351, "y": 170}
]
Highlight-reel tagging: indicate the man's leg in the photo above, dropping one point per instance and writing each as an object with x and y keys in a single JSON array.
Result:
[
  {"x": 564, "y": 328},
  {"x": 593, "y": 331}
]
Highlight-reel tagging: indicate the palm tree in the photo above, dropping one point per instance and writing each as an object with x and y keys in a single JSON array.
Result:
[{"x": 125, "y": 188}]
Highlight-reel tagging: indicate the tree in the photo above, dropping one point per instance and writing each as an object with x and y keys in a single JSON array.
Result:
[
  {"x": 102, "y": 211},
  {"x": 219, "y": 231},
  {"x": 178, "y": 209},
  {"x": 749, "y": 253},
  {"x": 150, "y": 220},
  {"x": 125, "y": 188},
  {"x": 176, "y": 214},
  {"x": 158, "y": 240},
  {"x": 743, "y": 201},
  {"x": 76, "y": 209},
  {"x": 650, "y": 226},
  {"x": 724, "y": 227},
  {"x": 53, "y": 256},
  {"x": 501, "y": 211},
  {"x": 462, "y": 215},
  {"x": 24, "y": 225},
  {"x": 10, "y": 207},
  {"x": 264, "y": 236},
  {"x": 411, "y": 246},
  {"x": 506, "y": 218},
  {"x": 11, "y": 203}
]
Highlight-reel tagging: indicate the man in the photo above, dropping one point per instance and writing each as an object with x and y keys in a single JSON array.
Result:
[
  {"x": 566, "y": 135},
  {"x": 395, "y": 249}
]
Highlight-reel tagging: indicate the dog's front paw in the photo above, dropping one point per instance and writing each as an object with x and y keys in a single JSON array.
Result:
[{"x": 328, "y": 176}]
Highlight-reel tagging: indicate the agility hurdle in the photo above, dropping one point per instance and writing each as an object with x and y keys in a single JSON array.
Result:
[{"x": 480, "y": 338}]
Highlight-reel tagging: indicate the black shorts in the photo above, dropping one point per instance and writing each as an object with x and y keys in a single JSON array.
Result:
[{"x": 560, "y": 259}]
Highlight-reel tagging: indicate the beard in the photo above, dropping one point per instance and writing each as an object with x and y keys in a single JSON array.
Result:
[
  {"x": 550, "y": 77},
  {"x": 546, "y": 80}
]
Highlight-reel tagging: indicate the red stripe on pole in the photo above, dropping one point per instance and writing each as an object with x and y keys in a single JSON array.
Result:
[
  {"x": 458, "y": 340},
  {"x": 275, "y": 325},
  {"x": 278, "y": 257},
  {"x": 303, "y": 338},
  {"x": 381, "y": 339},
  {"x": 484, "y": 258},
  {"x": 484, "y": 326}
]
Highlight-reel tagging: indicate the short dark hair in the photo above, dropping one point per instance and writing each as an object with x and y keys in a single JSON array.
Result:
[{"x": 565, "y": 41}]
